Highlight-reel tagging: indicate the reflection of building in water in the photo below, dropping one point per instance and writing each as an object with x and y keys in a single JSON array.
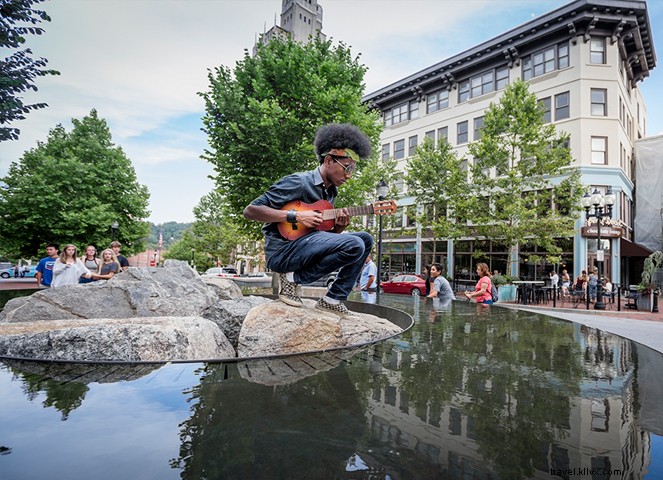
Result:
[{"x": 598, "y": 432}]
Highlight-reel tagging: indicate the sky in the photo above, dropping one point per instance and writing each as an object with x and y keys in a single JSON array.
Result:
[{"x": 141, "y": 64}]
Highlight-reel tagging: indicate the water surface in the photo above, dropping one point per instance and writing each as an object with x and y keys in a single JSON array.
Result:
[{"x": 469, "y": 392}]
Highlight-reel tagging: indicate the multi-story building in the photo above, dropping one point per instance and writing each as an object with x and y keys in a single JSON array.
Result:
[{"x": 584, "y": 62}]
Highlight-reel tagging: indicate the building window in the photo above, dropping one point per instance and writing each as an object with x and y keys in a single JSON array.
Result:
[
  {"x": 547, "y": 60},
  {"x": 483, "y": 83},
  {"x": 461, "y": 131},
  {"x": 478, "y": 125},
  {"x": 412, "y": 146},
  {"x": 562, "y": 107},
  {"x": 443, "y": 133},
  {"x": 599, "y": 106},
  {"x": 401, "y": 113},
  {"x": 431, "y": 134},
  {"x": 599, "y": 150},
  {"x": 399, "y": 149},
  {"x": 385, "y": 151},
  {"x": 501, "y": 78},
  {"x": 597, "y": 51},
  {"x": 437, "y": 100},
  {"x": 414, "y": 110},
  {"x": 464, "y": 91},
  {"x": 547, "y": 114}
]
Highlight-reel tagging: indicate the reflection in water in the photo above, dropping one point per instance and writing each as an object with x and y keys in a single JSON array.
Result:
[{"x": 467, "y": 393}]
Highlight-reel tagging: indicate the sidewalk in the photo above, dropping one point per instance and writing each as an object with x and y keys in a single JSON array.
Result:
[{"x": 642, "y": 327}]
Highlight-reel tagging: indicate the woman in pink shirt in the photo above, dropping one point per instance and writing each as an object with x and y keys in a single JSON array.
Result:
[{"x": 481, "y": 294}]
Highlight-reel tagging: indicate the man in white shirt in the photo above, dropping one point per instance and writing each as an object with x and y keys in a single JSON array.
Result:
[{"x": 367, "y": 282}]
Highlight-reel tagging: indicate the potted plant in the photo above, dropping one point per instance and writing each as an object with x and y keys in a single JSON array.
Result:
[
  {"x": 506, "y": 290},
  {"x": 648, "y": 291}
]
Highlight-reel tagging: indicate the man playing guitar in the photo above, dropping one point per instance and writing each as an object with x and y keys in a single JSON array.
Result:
[{"x": 310, "y": 257}]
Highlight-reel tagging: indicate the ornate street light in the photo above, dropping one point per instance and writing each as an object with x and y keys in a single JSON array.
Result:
[
  {"x": 381, "y": 190},
  {"x": 599, "y": 202},
  {"x": 114, "y": 229}
]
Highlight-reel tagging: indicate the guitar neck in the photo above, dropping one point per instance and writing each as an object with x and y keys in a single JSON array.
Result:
[{"x": 353, "y": 211}]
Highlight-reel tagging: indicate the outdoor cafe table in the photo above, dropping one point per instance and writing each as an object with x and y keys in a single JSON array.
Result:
[{"x": 522, "y": 284}]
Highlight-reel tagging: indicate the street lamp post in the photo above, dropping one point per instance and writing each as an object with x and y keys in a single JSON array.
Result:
[
  {"x": 193, "y": 254},
  {"x": 599, "y": 202},
  {"x": 381, "y": 190},
  {"x": 113, "y": 230}
]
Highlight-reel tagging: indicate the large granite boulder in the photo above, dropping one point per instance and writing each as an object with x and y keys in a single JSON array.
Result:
[
  {"x": 134, "y": 339},
  {"x": 175, "y": 290},
  {"x": 229, "y": 314},
  {"x": 279, "y": 329},
  {"x": 224, "y": 288},
  {"x": 171, "y": 313}
]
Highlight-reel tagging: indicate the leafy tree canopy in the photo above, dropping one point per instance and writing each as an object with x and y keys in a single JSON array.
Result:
[
  {"x": 436, "y": 178},
  {"x": 19, "y": 70},
  {"x": 262, "y": 117},
  {"x": 523, "y": 172},
  {"x": 71, "y": 189}
]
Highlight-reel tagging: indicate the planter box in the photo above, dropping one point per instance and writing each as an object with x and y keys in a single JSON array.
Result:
[
  {"x": 507, "y": 293},
  {"x": 645, "y": 302}
]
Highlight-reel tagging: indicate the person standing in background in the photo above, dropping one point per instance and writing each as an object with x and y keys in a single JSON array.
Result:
[
  {"x": 441, "y": 286},
  {"x": 115, "y": 246},
  {"x": 108, "y": 267},
  {"x": 44, "y": 268},
  {"x": 367, "y": 278},
  {"x": 427, "y": 278},
  {"x": 91, "y": 262},
  {"x": 481, "y": 292},
  {"x": 68, "y": 268}
]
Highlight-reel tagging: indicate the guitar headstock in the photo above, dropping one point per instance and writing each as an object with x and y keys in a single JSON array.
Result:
[{"x": 384, "y": 207}]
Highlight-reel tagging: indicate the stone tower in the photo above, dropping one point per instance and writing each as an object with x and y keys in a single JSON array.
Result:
[{"x": 300, "y": 20}]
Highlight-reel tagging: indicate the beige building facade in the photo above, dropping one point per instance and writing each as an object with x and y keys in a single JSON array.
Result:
[{"x": 584, "y": 62}]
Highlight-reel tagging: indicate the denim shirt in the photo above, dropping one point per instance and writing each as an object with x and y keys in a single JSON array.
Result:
[{"x": 305, "y": 186}]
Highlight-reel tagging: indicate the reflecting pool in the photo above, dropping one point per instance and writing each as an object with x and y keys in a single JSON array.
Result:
[{"x": 468, "y": 393}]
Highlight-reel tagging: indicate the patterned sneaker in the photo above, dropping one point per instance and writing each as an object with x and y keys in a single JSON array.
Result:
[
  {"x": 289, "y": 292},
  {"x": 339, "y": 309}
]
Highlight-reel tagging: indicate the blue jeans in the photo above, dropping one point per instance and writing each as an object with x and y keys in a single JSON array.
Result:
[{"x": 319, "y": 253}]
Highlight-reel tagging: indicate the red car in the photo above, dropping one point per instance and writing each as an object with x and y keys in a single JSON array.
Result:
[{"x": 408, "y": 284}]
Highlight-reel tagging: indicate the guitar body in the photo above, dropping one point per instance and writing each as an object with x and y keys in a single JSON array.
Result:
[
  {"x": 288, "y": 230},
  {"x": 293, "y": 232}
]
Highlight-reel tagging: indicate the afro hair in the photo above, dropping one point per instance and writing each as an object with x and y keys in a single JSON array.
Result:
[{"x": 342, "y": 135}]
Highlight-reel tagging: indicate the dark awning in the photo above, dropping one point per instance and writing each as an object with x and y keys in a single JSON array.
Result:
[{"x": 632, "y": 249}]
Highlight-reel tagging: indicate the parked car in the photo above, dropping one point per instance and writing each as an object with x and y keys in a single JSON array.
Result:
[
  {"x": 9, "y": 272},
  {"x": 325, "y": 281},
  {"x": 408, "y": 284},
  {"x": 259, "y": 275},
  {"x": 221, "y": 272}
]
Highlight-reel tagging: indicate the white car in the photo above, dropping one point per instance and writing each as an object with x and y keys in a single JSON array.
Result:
[{"x": 221, "y": 272}]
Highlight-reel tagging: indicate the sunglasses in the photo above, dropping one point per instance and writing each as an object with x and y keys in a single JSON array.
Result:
[{"x": 347, "y": 168}]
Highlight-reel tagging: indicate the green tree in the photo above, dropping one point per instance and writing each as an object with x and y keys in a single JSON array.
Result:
[
  {"x": 523, "y": 175},
  {"x": 71, "y": 189},
  {"x": 436, "y": 178},
  {"x": 19, "y": 70},
  {"x": 188, "y": 249},
  {"x": 262, "y": 117}
]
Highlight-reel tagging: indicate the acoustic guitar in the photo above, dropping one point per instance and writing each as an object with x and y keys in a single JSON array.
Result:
[{"x": 294, "y": 231}]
